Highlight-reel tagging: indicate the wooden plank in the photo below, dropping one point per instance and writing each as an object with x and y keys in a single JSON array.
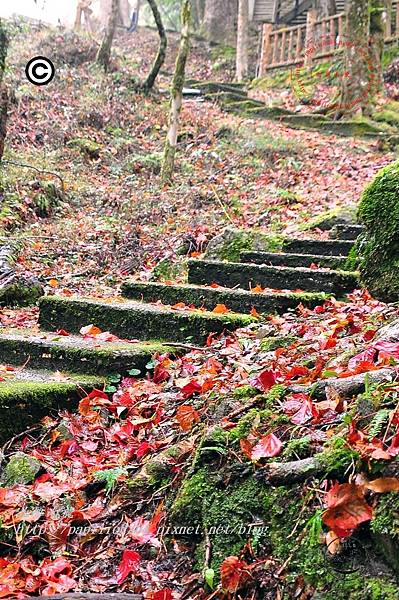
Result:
[{"x": 265, "y": 51}]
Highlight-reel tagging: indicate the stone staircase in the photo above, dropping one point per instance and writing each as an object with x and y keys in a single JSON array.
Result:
[
  {"x": 49, "y": 370},
  {"x": 233, "y": 98}
]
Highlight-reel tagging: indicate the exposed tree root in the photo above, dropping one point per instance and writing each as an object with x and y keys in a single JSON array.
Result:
[
  {"x": 346, "y": 386},
  {"x": 297, "y": 471}
]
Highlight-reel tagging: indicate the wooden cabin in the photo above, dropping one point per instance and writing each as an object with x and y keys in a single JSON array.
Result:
[
  {"x": 294, "y": 33},
  {"x": 286, "y": 12}
]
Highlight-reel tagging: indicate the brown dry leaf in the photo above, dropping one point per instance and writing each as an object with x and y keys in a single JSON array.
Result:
[
  {"x": 333, "y": 542},
  {"x": 383, "y": 485},
  {"x": 220, "y": 309}
]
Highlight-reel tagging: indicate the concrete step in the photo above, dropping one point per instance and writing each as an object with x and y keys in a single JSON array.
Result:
[
  {"x": 26, "y": 396},
  {"x": 293, "y": 260},
  {"x": 346, "y": 232},
  {"x": 238, "y": 300},
  {"x": 134, "y": 320},
  {"x": 244, "y": 275},
  {"x": 75, "y": 353},
  {"x": 322, "y": 247}
]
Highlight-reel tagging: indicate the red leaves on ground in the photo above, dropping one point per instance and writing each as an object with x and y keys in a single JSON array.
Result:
[
  {"x": 267, "y": 447},
  {"x": 51, "y": 577},
  {"x": 191, "y": 388},
  {"x": 165, "y": 594},
  {"x": 95, "y": 398},
  {"x": 301, "y": 407},
  {"x": 381, "y": 351},
  {"x": 186, "y": 416},
  {"x": 233, "y": 573},
  {"x": 129, "y": 564},
  {"x": 160, "y": 374},
  {"x": 266, "y": 380},
  {"x": 346, "y": 508}
]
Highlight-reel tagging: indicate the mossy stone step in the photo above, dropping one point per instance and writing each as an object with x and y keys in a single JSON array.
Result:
[
  {"x": 53, "y": 351},
  {"x": 346, "y": 232},
  {"x": 282, "y": 259},
  {"x": 133, "y": 320},
  {"x": 245, "y": 275},
  {"x": 322, "y": 247},
  {"x": 28, "y": 396},
  {"x": 207, "y": 297}
]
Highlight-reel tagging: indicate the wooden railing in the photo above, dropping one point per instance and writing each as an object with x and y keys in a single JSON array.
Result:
[{"x": 311, "y": 41}]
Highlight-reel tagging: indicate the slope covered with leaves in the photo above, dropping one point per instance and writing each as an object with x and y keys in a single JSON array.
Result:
[
  {"x": 105, "y": 140},
  {"x": 165, "y": 485}
]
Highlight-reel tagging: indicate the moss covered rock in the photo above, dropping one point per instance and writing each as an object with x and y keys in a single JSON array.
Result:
[
  {"x": 21, "y": 468},
  {"x": 378, "y": 247},
  {"x": 232, "y": 241}
]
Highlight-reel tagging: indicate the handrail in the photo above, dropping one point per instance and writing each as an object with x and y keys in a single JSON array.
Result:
[{"x": 287, "y": 46}]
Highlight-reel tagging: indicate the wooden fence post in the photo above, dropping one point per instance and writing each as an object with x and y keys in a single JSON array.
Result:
[
  {"x": 309, "y": 37},
  {"x": 265, "y": 51}
]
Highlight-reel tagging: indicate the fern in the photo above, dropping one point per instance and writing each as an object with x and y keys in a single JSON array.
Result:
[
  {"x": 378, "y": 422},
  {"x": 110, "y": 477}
]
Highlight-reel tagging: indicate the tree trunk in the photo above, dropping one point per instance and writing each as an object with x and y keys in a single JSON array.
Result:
[
  {"x": 124, "y": 12},
  {"x": 177, "y": 94},
  {"x": 355, "y": 88},
  {"x": 219, "y": 21},
  {"x": 3, "y": 89},
  {"x": 104, "y": 52},
  {"x": 378, "y": 20},
  {"x": 160, "y": 57},
  {"x": 242, "y": 40},
  {"x": 325, "y": 8}
]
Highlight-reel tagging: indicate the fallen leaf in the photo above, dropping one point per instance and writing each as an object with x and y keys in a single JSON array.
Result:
[{"x": 186, "y": 416}]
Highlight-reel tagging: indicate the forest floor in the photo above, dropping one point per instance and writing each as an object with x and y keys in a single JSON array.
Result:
[
  {"x": 116, "y": 217},
  {"x": 220, "y": 411}
]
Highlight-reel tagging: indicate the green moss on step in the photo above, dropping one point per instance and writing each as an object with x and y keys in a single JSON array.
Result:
[
  {"x": 20, "y": 293},
  {"x": 245, "y": 391},
  {"x": 24, "y": 403},
  {"x": 76, "y": 354},
  {"x": 336, "y": 216},
  {"x": 387, "y": 116}
]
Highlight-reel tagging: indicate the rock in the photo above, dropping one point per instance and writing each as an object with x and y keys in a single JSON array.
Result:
[
  {"x": 229, "y": 244},
  {"x": 332, "y": 218},
  {"x": 378, "y": 247},
  {"x": 21, "y": 469}
]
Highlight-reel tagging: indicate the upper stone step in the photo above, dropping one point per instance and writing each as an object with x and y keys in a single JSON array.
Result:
[
  {"x": 208, "y": 297},
  {"x": 323, "y": 247},
  {"x": 346, "y": 232},
  {"x": 134, "y": 320},
  {"x": 26, "y": 396},
  {"x": 246, "y": 275},
  {"x": 75, "y": 353},
  {"x": 283, "y": 259}
]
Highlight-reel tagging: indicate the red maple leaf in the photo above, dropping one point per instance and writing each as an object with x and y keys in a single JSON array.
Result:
[
  {"x": 347, "y": 508},
  {"x": 268, "y": 446},
  {"x": 266, "y": 380},
  {"x": 129, "y": 564},
  {"x": 233, "y": 573},
  {"x": 186, "y": 416}
]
